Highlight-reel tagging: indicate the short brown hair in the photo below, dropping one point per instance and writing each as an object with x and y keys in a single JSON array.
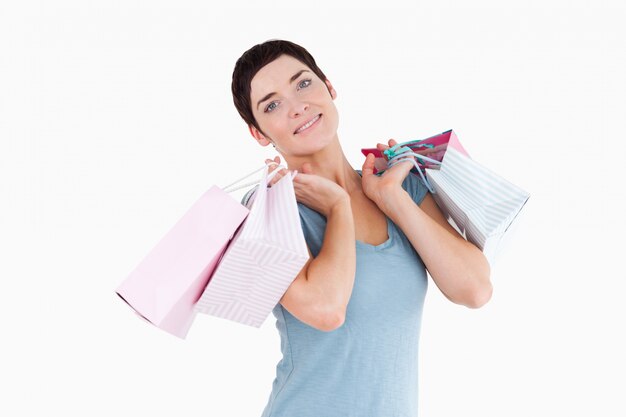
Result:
[{"x": 256, "y": 58}]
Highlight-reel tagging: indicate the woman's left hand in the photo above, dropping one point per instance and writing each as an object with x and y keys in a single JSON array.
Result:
[{"x": 380, "y": 188}]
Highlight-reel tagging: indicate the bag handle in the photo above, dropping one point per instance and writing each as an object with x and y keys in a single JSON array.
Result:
[
  {"x": 400, "y": 158},
  {"x": 268, "y": 178},
  {"x": 401, "y": 150}
]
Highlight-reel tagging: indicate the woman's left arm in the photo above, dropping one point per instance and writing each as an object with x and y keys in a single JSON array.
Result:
[{"x": 459, "y": 268}]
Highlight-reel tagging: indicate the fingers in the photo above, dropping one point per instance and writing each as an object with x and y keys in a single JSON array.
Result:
[
  {"x": 276, "y": 159},
  {"x": 382, "y": 147},
  {"x": 303, "y": 174},
  {"x": 273, "y": 167},
  {"x": 273, "y": 163}
]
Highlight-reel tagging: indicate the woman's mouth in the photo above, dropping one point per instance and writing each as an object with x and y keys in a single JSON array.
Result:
[{"x": 309, "y": 124}]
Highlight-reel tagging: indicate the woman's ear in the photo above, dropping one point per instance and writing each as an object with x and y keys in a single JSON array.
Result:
[
  {"x": 332, "y": 91},
  {"x": 260, "y": 138}
]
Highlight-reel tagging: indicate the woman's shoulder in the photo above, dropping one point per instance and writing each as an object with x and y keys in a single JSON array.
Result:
[
  {"x": 307, "y": 214},
  {"x": 414, "y": 185}
]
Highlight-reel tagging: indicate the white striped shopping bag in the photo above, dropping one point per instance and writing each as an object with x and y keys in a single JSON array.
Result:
[
  {"x": 482, "y": 204},
  {"x": 263, "y": 259}
]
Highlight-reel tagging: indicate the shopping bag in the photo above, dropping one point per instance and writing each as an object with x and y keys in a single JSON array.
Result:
[
  {"x": 168, "y": 281},
  {"x": 433, "y": 147},
  {"x": 264, "y": 258},
  {"x": 480, "y": 204}
]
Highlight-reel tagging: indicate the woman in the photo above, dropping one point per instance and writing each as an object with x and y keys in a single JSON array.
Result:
[{"x": 350, "y": 321}]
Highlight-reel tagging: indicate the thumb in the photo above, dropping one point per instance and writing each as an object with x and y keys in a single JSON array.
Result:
[{"x": 368, "y": 165}]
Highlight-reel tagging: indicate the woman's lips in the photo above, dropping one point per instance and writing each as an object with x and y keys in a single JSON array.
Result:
[{"x": 319, "y": 116}]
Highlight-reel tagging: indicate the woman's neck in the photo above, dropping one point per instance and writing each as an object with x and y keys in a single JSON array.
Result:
[{"x": 331, "y": 163}]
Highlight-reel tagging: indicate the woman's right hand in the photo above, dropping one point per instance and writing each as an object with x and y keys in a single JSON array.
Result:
[{"x": 314, "y": 191}]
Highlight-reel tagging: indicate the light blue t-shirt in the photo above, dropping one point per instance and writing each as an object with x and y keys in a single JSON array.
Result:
[{"x": 368, "y": 366}]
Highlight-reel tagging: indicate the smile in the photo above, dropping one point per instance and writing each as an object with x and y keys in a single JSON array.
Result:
[{"x": 308, "y": 124}]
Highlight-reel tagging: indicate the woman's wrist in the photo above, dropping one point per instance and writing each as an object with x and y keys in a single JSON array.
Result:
[
  {"x": 390, "y": 199},
  {"x": 340, "y": 205}
]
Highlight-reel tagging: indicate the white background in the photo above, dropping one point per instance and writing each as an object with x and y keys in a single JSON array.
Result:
[{"x": 116, "y": 115}]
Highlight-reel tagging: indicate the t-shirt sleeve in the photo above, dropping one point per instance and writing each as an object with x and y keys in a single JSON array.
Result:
[
  {"x": 416, "y": 188},
  {"x": 313, "y": 227},
  {"x": 305, "y": 230}
]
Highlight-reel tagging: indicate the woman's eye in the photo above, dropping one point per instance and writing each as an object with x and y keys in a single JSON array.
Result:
[
  {"x": 269, "y": 107},
  {"x": 304, "y": 81},
  {"x": 301, "y": 84}
]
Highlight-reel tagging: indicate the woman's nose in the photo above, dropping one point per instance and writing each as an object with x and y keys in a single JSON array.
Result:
[{"x": 298, "y": 109}]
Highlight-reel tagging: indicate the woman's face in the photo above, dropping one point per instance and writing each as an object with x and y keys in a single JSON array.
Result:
[{"x": 285, "y": 96}]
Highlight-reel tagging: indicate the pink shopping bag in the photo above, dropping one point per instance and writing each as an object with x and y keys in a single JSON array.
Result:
[
  {"x": 433, "y": 147},
  {"x": 169, "y": 280}
]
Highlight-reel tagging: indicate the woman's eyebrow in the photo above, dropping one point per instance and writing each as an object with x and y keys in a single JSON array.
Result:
[{"x": 291, "y": 80}]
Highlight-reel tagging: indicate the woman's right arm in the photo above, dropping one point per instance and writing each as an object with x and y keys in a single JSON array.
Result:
[{"x": 319, "y": 295}]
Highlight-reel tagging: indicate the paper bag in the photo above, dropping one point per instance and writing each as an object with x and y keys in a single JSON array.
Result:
[
  {"x": 169, "y": 280},
  {"x": 264, "y": 258}
]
